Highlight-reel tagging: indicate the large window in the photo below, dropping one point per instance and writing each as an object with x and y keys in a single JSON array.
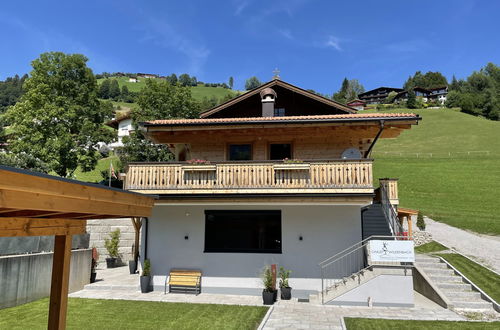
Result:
[
  {"x": 243, "y": 231},
  {"x": 240, "y": 152},
  {"x": 278, "y": 151}
]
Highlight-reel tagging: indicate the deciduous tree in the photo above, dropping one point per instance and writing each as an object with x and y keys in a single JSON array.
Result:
[
  {"x": 59, "y": 119},
  {"x": 252, "y": 82}
]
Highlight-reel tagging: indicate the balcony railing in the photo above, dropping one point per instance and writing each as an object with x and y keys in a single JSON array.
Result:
[{"x": 350, "y": 176}]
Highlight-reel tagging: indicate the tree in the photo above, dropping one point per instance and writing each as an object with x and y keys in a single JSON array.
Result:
[
  {"x": 157, "y": 100},
  {"x": 420, "y": 221},
  {"x": 231, "y": 82},
  {"x": 391, "y": 96},
  {"x": 104, "y": 89},
  {"x": 252, "y": 82},
  {"x": 427, "y": 80},
  {"x": 172, "y": 79},
  {"x": 411, "y": 102},
  {"x": 59, "y": 118},
  {"x": 10, "y": 91},
  {"x": 354, "y": 88},
  {"x": 114, "y": 90},
  {"x": 194, "y": 81},
  {"x": 185, "y": 79},
  {"x": 341, "y": 95}
]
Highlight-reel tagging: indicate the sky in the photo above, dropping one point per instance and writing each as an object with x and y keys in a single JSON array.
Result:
[{"x": 314, "y": 44}]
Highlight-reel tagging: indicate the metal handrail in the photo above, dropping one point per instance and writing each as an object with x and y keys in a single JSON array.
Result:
[{"x": 390, "y": 213}]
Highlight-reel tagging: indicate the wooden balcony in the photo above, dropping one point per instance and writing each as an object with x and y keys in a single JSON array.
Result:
[{"x": 333, "y": 176}]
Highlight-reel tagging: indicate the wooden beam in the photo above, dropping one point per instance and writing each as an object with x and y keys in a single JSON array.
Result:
[
  {"x": 11, "y": 227},
  {"x": 60, "y": 282}
]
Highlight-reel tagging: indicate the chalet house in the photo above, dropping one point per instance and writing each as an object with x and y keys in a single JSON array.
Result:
[
  {"x": 124, "y": 126},
  {"x": 378, "y": 95},
  {"x": 436, "y": 95},
  {"x": 357, "y": 104},
  {"x": 147, "y": 75},
  {"x": 277, "y": 175}
]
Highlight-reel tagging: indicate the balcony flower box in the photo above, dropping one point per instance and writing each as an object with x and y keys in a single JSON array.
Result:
[
  {"x": 199, "y": 168},
  {"x": 292, "y": 166}
]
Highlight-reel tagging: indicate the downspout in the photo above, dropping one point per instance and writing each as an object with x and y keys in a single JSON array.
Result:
[
  {"x": 146, "y": 238},
  {"x": 367, "y": 153}
]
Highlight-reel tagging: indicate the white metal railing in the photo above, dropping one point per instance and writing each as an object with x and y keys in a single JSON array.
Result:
[{"x": 390, "y": 213}]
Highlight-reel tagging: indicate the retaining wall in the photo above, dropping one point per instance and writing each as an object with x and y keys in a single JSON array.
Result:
[{"x": 25, "y": 278}]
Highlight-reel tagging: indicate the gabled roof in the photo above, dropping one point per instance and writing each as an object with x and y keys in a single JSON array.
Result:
[
  {"x": 356, "y": 101},
  {"x": 114, "y": 123},
  {"x": 382, "y": 87},
  {"x": 281, "y": 83}
]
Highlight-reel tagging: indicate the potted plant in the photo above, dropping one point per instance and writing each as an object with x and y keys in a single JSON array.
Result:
[
  {"x": 146, "y": 276},
  {"x": 111, "y": 245},
  {"x": 285, "y": 289},
  {"x": 269, "y": 293},
  {"x": 93, "y": 266}
]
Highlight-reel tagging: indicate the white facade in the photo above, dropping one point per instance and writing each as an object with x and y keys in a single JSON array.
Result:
[
  {"x": 325, "y": 230},
  {"x": 124, "y": 128}
]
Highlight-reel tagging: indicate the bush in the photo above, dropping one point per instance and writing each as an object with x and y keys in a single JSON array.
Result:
[
  {"x": 420, "y": 221},
  {"x": 146, "y": 271},
  {"x": 284, "y": 275},
  {"x": 267, "y": 279},
  {"x": 112, "y": 243}
]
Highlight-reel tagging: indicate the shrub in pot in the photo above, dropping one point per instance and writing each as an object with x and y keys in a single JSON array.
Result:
[
  {"x": 269, "y": 293},
  {"x": 93, "y": 266},
  {"x": 146, "y": 276},
  {"x": 285, "y": 289},
  {"x": 111, "y": 245}
]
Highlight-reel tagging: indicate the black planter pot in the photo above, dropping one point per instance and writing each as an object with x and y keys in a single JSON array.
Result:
[
  {"x": 132, "y": 266},
  {"x": 145, "y": 283},
  {"x": 286, "y": 293},
  {"x": 110, "y": 262},
  {"x": 92, "y": 277},
  {"x": 275, "y": 297},
  {"x": 269, "y": 297}
]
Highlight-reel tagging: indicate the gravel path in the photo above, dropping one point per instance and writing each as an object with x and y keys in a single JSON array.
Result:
[{"x": 483, "y": 248}]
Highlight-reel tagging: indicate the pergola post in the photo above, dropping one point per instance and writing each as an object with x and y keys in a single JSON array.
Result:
[{"x": 60, "y": 282}]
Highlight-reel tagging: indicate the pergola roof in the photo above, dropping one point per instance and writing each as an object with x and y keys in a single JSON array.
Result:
[{"x": 33, "y": 204}]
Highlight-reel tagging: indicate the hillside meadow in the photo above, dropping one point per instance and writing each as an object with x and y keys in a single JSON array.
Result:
[{"x": 448, "y": 167}]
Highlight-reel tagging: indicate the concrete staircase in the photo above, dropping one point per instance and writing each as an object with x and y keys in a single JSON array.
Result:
[
  {"x": 452, "y": 285},
  {"x": 374, "y": 221}
]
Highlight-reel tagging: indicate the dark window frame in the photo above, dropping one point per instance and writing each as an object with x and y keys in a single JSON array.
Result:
[
  {"x": 269, "y": 150},
  {"x": 228, "y": 152},
  {"x": 278, "y": 250}
]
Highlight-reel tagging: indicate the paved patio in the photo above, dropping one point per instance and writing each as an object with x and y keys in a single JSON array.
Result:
[{"x": 117, "y": 283}]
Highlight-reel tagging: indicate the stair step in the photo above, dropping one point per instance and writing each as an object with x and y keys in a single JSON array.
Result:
[
  {"x": 464, "y": 295},
  {"x": 439, "y": 272},
  {"x": 432, "y": 265},
  {"x": 463, "y": 287},
  {"x": 472, "y": 304},
  {"x": 422, "y": 259},
  {"x": 445, "y": 278}
]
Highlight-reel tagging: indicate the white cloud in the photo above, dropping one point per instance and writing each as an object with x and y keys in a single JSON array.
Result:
[
  {"x": 286, "y": 33},
  {"x": 240, "y": 6},
  {"x": 333, "y": 42},
  {"x": 165, "y": 35}
]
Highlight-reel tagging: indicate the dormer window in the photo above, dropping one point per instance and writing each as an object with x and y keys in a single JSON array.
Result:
[{"x": 279, "y": 112}]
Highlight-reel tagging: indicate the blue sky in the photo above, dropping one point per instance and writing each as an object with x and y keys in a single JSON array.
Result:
[{"x": 315, "y": 44}]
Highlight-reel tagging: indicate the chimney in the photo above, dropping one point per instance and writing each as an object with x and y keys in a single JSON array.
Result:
[{"x": 268, "y": 96}]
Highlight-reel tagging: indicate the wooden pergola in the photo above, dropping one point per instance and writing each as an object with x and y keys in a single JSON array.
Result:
[
  {"x": 33, "y": 204},
  {"x": 407, "y": 213}
]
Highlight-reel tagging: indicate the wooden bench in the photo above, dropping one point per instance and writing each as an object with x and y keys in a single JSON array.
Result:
[{"x": 184, "y": 280}]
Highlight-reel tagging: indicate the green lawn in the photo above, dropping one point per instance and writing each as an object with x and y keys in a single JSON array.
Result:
[
  {"x": 198, "y": 91},
  {"x": 457, "y": 188},
  {"x": 488, "y": 281},
  {"x": 384, "y": 324},
  {"x": 126, "y": 314},
  {"x": 95, "y": 175},
  {"x": 430, "y": 247}
]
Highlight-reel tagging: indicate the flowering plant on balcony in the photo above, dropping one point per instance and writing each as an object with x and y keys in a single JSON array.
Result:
[
  {"x": 292, "y": 161},
  {"x": 198, "y": 162}
]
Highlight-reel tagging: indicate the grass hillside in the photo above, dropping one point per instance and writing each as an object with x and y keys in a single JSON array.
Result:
[
  {"x": 198, "y": 91},
  {"x": 456, "y": 177}
]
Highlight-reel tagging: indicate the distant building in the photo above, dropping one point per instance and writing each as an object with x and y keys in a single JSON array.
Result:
[
  {"x": 132, "y": 80},
  {"x": 124, "y": 127},
  {"x": 437, "y": 95},
  {"x": 147, "y": 75},
  {"x": 378, "y": 95},
  {"x": 357, "y": 104}
]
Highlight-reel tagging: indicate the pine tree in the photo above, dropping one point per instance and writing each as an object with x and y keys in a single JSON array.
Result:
[
  {"x": 231, "y": 82},
  {"x": 420, "y": 221},
  {"x": 411, "y": 102},
  {"x": 114, "y": 89}
]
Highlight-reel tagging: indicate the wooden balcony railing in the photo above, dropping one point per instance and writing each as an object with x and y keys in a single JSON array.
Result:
[{"x": 235, "y": 177}]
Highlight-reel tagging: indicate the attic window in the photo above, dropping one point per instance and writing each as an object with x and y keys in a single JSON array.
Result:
[{"x": 279, "y": 112}]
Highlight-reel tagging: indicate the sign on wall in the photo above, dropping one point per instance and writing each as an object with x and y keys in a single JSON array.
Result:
[{"x": 396, "y": 251}]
